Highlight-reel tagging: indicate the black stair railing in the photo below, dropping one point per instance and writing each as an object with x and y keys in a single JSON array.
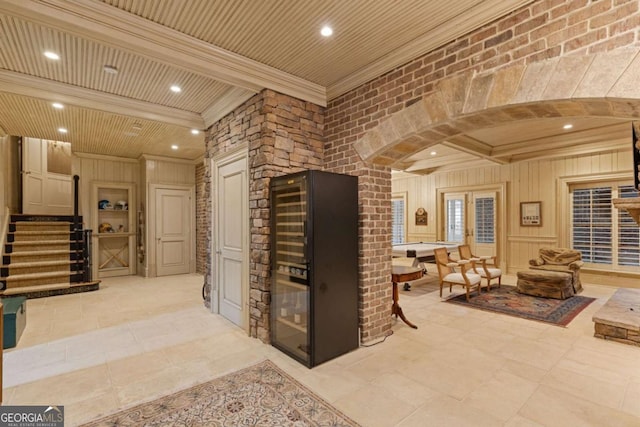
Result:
[{"x": 81, "y": 238}]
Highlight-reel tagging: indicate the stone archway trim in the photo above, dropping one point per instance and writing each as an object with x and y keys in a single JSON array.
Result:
[{"x": 604, "y": 84}]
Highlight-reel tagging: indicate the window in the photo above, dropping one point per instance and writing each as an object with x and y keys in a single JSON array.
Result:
[
  {"x": 485, "y": 220},
  {"x": 455, "y": 220},
  {"x": 398, "y": 223},
  {"x": 603, "y": 234}
]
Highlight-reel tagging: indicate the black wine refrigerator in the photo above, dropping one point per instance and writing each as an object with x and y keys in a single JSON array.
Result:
[{"x": 314, "y": 265}]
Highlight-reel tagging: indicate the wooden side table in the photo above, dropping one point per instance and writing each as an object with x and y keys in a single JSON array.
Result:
[{"x": 402, "y": 274}]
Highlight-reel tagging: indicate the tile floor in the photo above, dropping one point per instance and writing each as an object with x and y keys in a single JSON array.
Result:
[{"x": 136, "y": 339}]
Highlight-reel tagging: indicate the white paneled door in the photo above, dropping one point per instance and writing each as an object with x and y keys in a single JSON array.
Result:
[
  {"x": 173, "y": 231},
  {"x": 484, "y": 219},
  {"x": 46, "y": 172},
  {"x": 231, "y": 244}
]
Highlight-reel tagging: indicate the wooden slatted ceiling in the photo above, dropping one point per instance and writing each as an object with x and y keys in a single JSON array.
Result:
[
  {"x": 96, "y": 132},
  {"x": 364, "y": 30},
  {"x": 81, "y": 65}
]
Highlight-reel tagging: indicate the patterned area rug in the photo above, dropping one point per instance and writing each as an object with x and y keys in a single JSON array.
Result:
[
  {"x": 507, "y": 301},
  {"x": 260, "y": 395}
]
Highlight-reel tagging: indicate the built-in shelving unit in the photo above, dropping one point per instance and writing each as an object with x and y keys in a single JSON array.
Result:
[{"x": 113, "y": 229}]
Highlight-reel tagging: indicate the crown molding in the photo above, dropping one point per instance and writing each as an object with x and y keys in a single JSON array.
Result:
[
  {"x": 92, "y": 156},
  {"x": 22, "y": 84},
  {"x": 122, "y": 30},
  {"x": 225, "y": 104},
  {"x": 483, "y": 13},
  {"x": 155, "y": 158}
]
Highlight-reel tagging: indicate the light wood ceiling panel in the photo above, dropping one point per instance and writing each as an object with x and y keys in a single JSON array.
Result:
[
  {"x": 82, "y": 61},
  {"x": 285, "y": 34},
  {"x": 96, "y": 132},
  {"x": 198, "y": 44}
]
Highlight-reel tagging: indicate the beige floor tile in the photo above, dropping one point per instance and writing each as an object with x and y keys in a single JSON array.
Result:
[
  {"x": 502, "y": 396},
  {"x": 117, "y": 347},
  {"x": 551, "y": 407},
  {"x": 374, "y": 406},
  {"x": 534, "y": 352},
  {"x": 586, "y": 387},
  {"x": 448, "y": 412},
  {"x": 518, "y": 421},
  {"x": 631, "y": 404}
]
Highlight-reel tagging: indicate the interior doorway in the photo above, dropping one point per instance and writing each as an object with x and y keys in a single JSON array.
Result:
[
  {"x": 46, "y": 177},
  {"x": 474, "y": 216},
  {"x": 230, "y": 207},
  {"x": 173, "y": 230}
]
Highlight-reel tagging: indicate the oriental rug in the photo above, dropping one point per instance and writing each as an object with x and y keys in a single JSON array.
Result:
[
  {"x": 260, "y": 395},
  {"x": 507, "y": 300}
]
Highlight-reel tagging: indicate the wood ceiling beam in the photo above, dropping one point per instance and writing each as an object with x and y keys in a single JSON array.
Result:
[
  {"x": 573, "y": 140},
  {"x": 575, "y": 150},
  {"x": 224, "y": 104},
  {"x": 34, "y": 87},
  {"x": 122, "y": 30},
  {"x": 472, "y": 146}
]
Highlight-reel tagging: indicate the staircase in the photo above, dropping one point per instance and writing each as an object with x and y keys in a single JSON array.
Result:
[{"x": 42, "y": 257}]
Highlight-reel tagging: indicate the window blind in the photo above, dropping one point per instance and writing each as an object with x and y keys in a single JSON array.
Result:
[
  {"x": 398, "y": 221},
  {"x": 485, "y": 220}
]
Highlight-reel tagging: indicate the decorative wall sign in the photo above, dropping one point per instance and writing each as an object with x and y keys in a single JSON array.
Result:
[
  {"x": 530, "y": 213},
  {"x": 421, "y": 217}
]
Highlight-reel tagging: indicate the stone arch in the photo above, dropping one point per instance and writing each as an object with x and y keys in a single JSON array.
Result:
[{"x": 605, "y": 84}]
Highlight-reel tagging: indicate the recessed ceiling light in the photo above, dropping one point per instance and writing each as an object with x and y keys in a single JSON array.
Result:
[
  {"x": 174, "y": 147},
  {"x": 326, "y": 31},
  {"x": 136, "y": 126},
  {"x": 51, "y": 55},
  {"x": 568, "y": 126},
  {"x": 195, "y": 131},
  {"x": 176, "y": 89},
  {"x": 57, "y": 105},
  {"x": 433, "y": 153},
  {"x": 130, "y": 134},
  {"x": 62, "y": 130},
  {"x": 110, "y": 69}
]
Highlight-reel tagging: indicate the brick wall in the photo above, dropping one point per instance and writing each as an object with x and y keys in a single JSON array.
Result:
[
  {"x": 201, "y": 221},
  {"x": 542, "y": 30},
  {"x": 284, "y": 135}
]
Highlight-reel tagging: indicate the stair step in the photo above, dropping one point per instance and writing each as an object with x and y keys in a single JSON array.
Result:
[
  {"x": 39, "y": 263},
  {"x": 41, "y": 253},
  {"x": 43, "y": 223},
  {"x": 38, "y": 236},
  {"x": 51, "y": 289},
  {"x": 35, "y": 276}
]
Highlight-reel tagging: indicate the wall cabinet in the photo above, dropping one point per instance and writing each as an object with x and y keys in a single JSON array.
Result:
[
  {"x": 314, "y": 265},
  {"x": 114, "y": 229}
]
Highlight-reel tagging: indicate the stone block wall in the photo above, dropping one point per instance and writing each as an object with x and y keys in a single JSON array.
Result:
[
  {"x": 284, "y": 135},
  {"x": 201, "y": 221}
]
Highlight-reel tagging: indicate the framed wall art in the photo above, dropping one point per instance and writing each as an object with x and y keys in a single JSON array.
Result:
[
  {"x": 421, "y": 217},
  {"x": 530, "y": 213}
]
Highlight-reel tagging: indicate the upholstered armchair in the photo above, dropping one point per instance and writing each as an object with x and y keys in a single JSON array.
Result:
[
  {"x": 561, "y": 260},
  {"x": 448, "y": 275},
  {"x": 480, "y": 266}
]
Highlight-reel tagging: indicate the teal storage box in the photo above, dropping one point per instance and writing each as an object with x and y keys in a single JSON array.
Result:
[{"x": 15, "y": 319}]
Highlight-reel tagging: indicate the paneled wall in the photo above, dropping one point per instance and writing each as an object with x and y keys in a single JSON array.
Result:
[
  {"x": 92, "y": 168},
  {"x": 170, "y": 172},
  {"x": 538, "y": 180}
]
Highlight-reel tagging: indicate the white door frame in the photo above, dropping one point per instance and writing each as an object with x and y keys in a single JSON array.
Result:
[
  {"x": 151, "y": 254},
  {"x": 217, "y": 162},
  {"x": 501, "y": 213}
]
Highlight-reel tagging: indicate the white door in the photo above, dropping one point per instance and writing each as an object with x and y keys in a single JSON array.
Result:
[
  {"x": 483, "y": 217},
  {"x": 231, "y": 244},
  {"x": 455, "y": 222},
  {"x": 46, "y": 175},
  {"x": 173, "y": 231}
]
